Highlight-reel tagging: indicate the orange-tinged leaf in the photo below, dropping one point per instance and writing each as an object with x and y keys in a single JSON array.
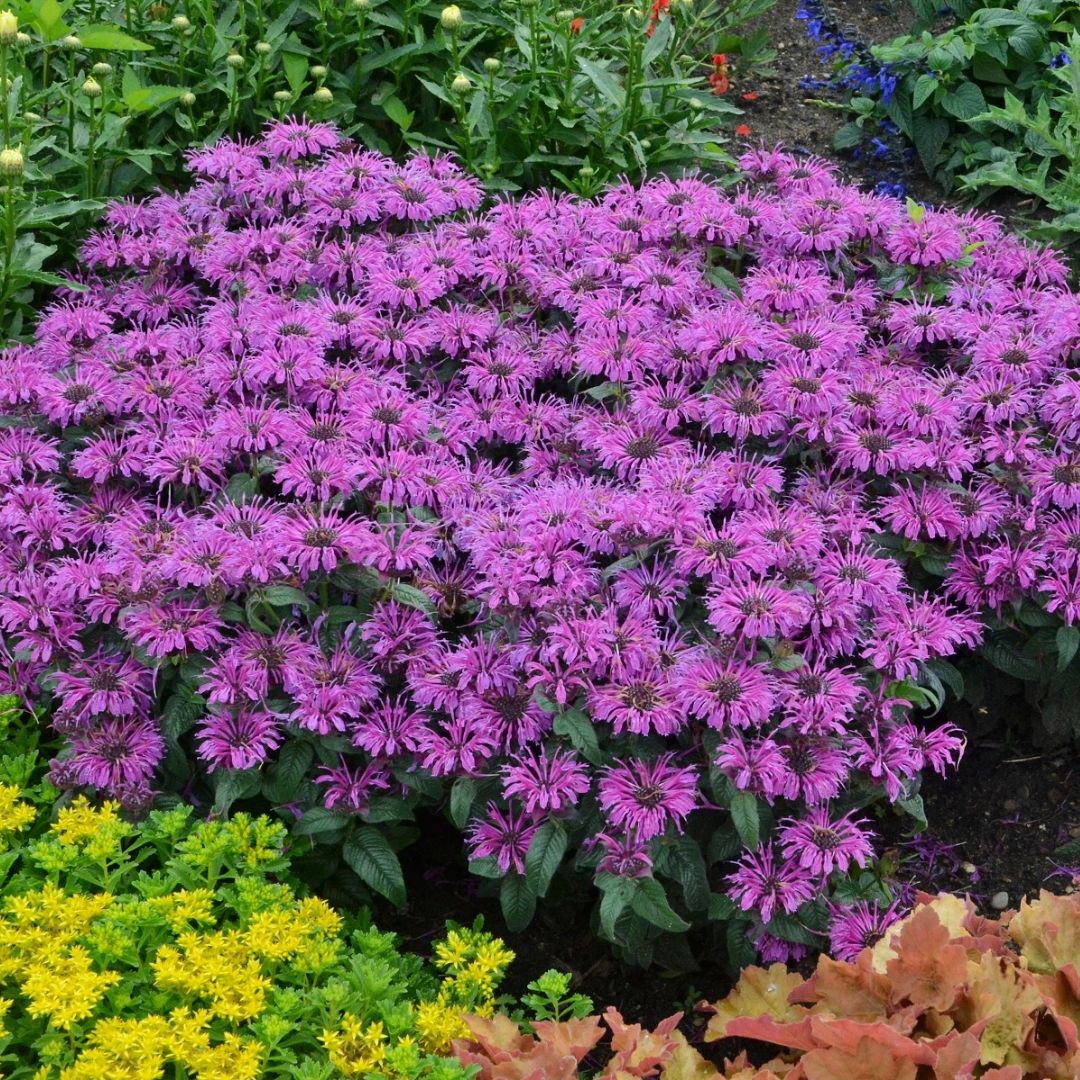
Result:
[
  {"x": 757, "y": 993},
  {"x": 498, "y": 1032},
  {"x": 852, "y": 990},
  {"x": 797, "y": 1036},
  {"x": 1003, "y": 999},
  {"x": 951, "y": 911},
  {"x": 1048, "y": 932},
  {"x": 927, "y": 970},
  {"x": 868, "y": 1061},
  {"x": 638, "y": 1052},
  {"x": 574, "y": 1037},
  {"x": 685, "y": 1063},
  {"x": 957, "y": 1055},
  {"x": 1010, "y": 1072},
  {"x": 849, "y": 1035}
]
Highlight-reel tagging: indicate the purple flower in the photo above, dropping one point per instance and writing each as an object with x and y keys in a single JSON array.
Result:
[
  {"x": 117, "y": 754},
  {"x": 104, "y": 684},
  {"x": 858, "y": 926},
  {"x": 647, "y": 796},
  {"x": 502, "y": 835},
  {"x": 241, "y": 739},
  {"x": 350, "y": 789},
  {"x": 545, "y": 782},
  {"x": 822, "y": 845},
  {"x": 760, "y": 885}
]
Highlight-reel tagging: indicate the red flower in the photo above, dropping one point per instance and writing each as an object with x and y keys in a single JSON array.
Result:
[
  {"x": 749, "y": 95},
  {"x": 719, "y": 79},
  {"x": 658, "y": 8},
  {"x": 576, "y": 25},
  {"x": 742, "y": 129}
]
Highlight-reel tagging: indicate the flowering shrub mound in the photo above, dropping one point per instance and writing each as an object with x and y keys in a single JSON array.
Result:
[
  {"x": 174, "y": 948},
  {"x": 945, "y": 994},
  {"x": 609, "y": 527}
]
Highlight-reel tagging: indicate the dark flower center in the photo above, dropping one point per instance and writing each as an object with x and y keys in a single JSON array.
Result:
[
  {"x": 320, "y": 537},
  {"x": 726, "y": 689},
  {"x": 1067, "y": 474},
  {"x": 644, "y": 446},
  {"x": 649, "y": 796},
  {"x": 804, "y": 342},
  {"x": 104, "y": 680},
  {"x": 640, "y": 696}
]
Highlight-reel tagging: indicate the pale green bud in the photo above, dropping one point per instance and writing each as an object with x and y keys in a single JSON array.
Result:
[
  {"x": 262, "y": 48},
  {"x": 11, "y": 161},
  {"x": 101, "y": 69},
  {"x": 451, "y": 18},
  {"x": 462, "y": 84},
  {"x": 492, "y": 65},
  {"x": 234, "y": 59},
  {"x": 187, "y": 99},
  {"x": 323, "y": 95},
  {"x": 9, "y": 27},
  {"x": 91, "y": 88}
]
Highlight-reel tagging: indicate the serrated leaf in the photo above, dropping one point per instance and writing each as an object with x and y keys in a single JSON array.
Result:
[
  {"x": 616, "y": 893},
  {"x": 412, "y": 597},
  {"x": 744, "y": 813},
  {"x": 289, "y": 771},
  {"x": 285, "y": 596},
  {"x": 740, "y": 949},
  {"x": 964, "y": 101},
  {"x": 518, "y": 902},
  {"x": 462, "y": 796},
  {"x": 320, "y": 822},
  {"x": 578, "y": 728},
  {"x": 233, "y": 784},
  {"x": 375, "y": 864},
  {"x": 545, "y": 854},
  {"x": 651, "y": 903},
  {"x": 1067, "y": 641}
]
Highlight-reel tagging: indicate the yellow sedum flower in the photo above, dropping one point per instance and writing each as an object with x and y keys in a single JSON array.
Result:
[
  {"x": 66, "y": 989},
  {"x": 82, "y": 824},
  {"x": 218, "y": 967},
  {"x": 437, "y": 1022},
  {"x": 355, "y": 1048},
  {"x": 15, "y": 814},
  {"x": 120, "y": 1049}
]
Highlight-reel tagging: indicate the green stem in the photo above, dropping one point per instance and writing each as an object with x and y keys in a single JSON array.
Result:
[
  {"x": 3, "y": 86},
  {"x": 91, "y": 140}
]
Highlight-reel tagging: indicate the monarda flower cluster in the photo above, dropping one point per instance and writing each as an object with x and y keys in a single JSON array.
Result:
[{"x": 594, "y": 504}]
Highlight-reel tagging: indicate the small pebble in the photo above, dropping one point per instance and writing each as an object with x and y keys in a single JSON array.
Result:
[{"x": 999, "y": 901}]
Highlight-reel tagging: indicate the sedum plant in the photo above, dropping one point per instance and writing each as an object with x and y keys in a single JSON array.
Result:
[
  {"x": 632, "y": 534},
  {"x": 175, "y": 948}
]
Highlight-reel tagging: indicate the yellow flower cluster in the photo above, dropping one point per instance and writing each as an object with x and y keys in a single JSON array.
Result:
[
  {"x": 475, "y": 963},
  {"x": 15, "y": 814}
]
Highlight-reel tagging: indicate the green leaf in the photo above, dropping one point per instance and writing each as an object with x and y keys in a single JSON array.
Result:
[
  {"x": 948, "y": 674},
  {"x": 999, "y": 652},
  {"x": 542, "y": 860},
  {"x": 285, "y": 596},
  {"x": 518, "y": 902},
  {"x": 370, "y": 857},
  {"x": 110, "y": 38},
  {"x": 925, "y": 85},
  {"x": 320, "y": 822},
  {"x": 289, "y": 771},
  {"x": 295, "y": 66},
  {"x": 789, "y": 928},
  {"x": 964, "y": 101},
  {"x": 651, "y": 903},
  {"x": 740, "y": 949},
  {"x": 462, "y": 796},
  {"x": 241, "y": 488},
  {"x": 659, "y": 42},
  {"x": 395, "y": 108},
  {"x": 914, "y": 806},
  {"x": 412, "y": 597},
  {"x": 616, "y": 895},
  {"x": 744, "y": 812},
  {"x": 604, "y": 81},
  {"x": 686, "y": 865},
  {"x": 929, "y": 138},
  {"x": 1067, "y": 642},
  {"x": 721, "y": 907},
  {"x": 181, "y": 711},
  {"x": 233, "y": 784},
  {"x": 578, "y": 728}
]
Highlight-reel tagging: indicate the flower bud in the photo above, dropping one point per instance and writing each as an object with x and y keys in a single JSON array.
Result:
[
  {"x": 91, "y": 88},
  {"x": 71, "y": 42},
  {"x": 323, "y": 95},
  {"x": 565, "y": 15},
  {"x": 451, "y": 18},
  {"x": 282, "y": 95},
  {"x": 318, "y": 71},
  {"x": 262, "y": 48},
  {"x": 9, "y": 27},
  {"x": 586, "y": 171},
  {"x": 361, "y": 5},
  {"x": 101, "y": 69},
  {"x": 492, "y": 65},
  {"x": 462, "y": 84},
  {"x": 181, "y": 22},
  {"x": 31, "y": 117},
  {"x": 696, "y": 103},
  {"x": 11, "y": 161},
  {"x": 187, "y": 99},
  {"x": 22, "y": 39},
  {"x": 234, "y": 59}
]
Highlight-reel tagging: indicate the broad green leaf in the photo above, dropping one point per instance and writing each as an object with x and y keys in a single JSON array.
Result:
[
  {"x": 578, "y": 728},
  {"x": 1067, "y": 641},
  {"x": 462, "y": 796},
  {"x": 651, "y": 903},
  {"x": 617, "y": 892},
  {"x": 412, "y": 597},
  {"x": 744, "y": 812},
  {"x": 964, "y": 101},
  {"x": 375, "y": 864},
  {"x": 110, "y": 38},
  {"x": 604, "y": 81},
  {"x": 518, "y": 902},
  {"x": 542, "y": 860},
  {"x": 320, "y": 822},
  {"x": 147, "y": 98},
  {"x": 285, "y": 596}
]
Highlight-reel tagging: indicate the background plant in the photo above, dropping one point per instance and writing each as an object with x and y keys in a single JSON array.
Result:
[
  {"x": 106, "y": 99},
  {"x": 988, "y": 100},
  {"x": 129, "y": 949}
]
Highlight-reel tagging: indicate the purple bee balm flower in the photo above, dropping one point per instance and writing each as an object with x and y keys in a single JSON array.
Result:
[
  {"x": 350, "y": 789},
  {"x": 105, "y": 683},
  {"x": 503, "y": 836},
  {"x": 390, "y": 730},
  {"x": 117, "y": 753},
  {"x": 293, "y": 138},
  {"x": 546, "y": 782},
  {"x": 647, "y": 796},
  {"x": 757, "y": 610},
  {"x": 857, "y": 926},
  {"x": 724, "y": 692},
  {"x": 823, "y": 845},
  {"x": 173, "y": 627},
  {"x": 624, "y": 856},
  {"x": 319, "y": 540},
  {"x": 241, "y": 739},
  {"x": 641, "y": 702},
  {"x": 760, "y": 885}
]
